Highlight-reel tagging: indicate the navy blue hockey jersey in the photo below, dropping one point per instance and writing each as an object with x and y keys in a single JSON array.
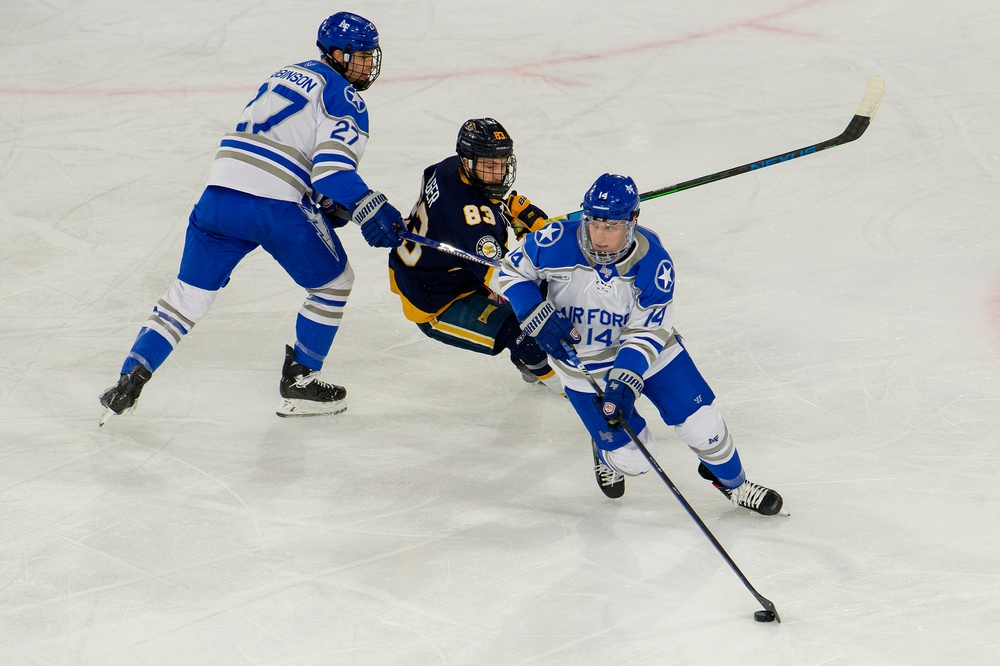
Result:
[{"x": 450, "y": 211}]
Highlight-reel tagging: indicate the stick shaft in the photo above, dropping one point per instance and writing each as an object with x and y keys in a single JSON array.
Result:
[
  {"x": 766, "y": 603},
  {"x": 859, "y": 123}
]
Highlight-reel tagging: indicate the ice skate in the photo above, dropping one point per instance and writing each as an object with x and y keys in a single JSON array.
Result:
[
  {"x": 610, "y": 482},
  {"x": 749, "y": 495},
  {"x": 303, "y": 394},
  {"x": 123, "y": 395}
]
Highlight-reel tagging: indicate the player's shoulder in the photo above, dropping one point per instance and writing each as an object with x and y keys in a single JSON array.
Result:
[
  {"x": 309, "y": 78},
  {"x": 445, "y": 173},
  {"x": 650, "y": 263},
  {"x": 554, "y": 244},
  {"x": 446, "y": 193},
  {"x": 655, "y": 244},
  {"x": 340, "y": 98}
]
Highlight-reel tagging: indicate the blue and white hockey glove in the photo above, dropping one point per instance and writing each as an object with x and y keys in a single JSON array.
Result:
[
  {"x": 623, "y": 387},
  {"x": 378, "y": 219},
  {"x": 549, "y": 328}
]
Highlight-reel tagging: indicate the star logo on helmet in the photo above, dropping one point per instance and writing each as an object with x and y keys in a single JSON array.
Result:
[
  {"x": 665, "y": 276},
  {"x": 549, "y": 234},
  {"x": 354, "y": 99}
]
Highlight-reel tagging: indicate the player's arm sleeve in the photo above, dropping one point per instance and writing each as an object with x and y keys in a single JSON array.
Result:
[
  {"x": 644, "y": 337},
  {"x": 519, "y": 279},
  {"x": 650, "y": 326},
  {"x": 345, "y": 187},
  {"x": 341, "y": 137}
]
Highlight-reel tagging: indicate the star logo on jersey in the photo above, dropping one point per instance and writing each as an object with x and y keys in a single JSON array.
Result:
[
  {"x": 549, "y": 234},
  {"x": 665, "y": 276},
  {"x": 488, "y": 247},
  {"x": 354, "y": 99}
]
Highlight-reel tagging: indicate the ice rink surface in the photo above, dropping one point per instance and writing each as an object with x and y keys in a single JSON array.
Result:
[{"x": 845, "y": 307}]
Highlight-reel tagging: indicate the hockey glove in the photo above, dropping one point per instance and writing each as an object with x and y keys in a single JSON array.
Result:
[
  {"x": 378, "y": 219},
  {"x": 527, "y": 216},
  {"x": 624, "y": 386},
  {"x": 334, "y": 214},
  {"x": 549, "y": 328}
]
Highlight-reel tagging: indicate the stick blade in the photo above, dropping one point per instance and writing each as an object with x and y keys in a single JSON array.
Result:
[
  {"x": 769, "y": 605},
  {"x": 873, "y": 97},
  {"x": 869, "y": 105}
]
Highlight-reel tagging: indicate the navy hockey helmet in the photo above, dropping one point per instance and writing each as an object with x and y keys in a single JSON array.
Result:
[
  {"x": 356, "y": 37},
  {"x": 485, "y": 137},
  {"x": 612, "y": 201}
]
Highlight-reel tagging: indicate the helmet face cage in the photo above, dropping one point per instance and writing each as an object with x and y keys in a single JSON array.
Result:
[
  {"x": 610, "y": 256},
  {"x": 611, "y": 201},
  {"x": 481, "y": 138},
  {"x": 357, "y": 38}
]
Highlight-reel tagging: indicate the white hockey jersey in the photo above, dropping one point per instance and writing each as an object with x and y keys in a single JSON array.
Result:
[
  {"x": 306, "y": 130},
  {"x": 626, "y": 305}
]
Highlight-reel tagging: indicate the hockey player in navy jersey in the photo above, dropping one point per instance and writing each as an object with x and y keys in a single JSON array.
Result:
[
  {"x": 284, "y": 179},
  {"x": 464, "y": 202},
  {"x": 606, "y": 286}
]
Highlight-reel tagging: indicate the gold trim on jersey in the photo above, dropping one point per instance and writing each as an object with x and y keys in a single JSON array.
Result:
[
  {"x": 462, "y": 333},
  {"x": 411, "y": 311}
]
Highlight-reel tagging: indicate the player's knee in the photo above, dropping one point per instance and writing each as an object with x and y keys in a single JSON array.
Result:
[
  {"x": 628, "y": 459},
  {"x": 187, "y": 301},
  {"x": 706, "y": 433},
  {"x": 339, "y": 287}
]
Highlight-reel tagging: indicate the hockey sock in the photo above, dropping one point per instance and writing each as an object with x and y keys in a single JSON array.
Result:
[
  {"x": 312, "y": 342},
  {"x": 150, "y": 350},
  {"x": 706, "y": 433},
  {"x": 319, "y": 319},
  {"x": 730, "y": 474},
  {"x": 174, "y": 315}
]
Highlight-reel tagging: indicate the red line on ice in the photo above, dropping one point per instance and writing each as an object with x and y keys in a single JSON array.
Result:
[{"x": 537, "y": 69}]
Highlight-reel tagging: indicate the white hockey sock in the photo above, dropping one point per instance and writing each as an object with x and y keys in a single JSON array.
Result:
[{"x": 180, "y": 308}]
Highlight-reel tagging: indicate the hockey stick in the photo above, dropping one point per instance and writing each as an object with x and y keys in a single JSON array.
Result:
[
  {"x": 444, "y": 247},
  {"x": 766, "y": 603},
  {"x": 859, "y": 123}
]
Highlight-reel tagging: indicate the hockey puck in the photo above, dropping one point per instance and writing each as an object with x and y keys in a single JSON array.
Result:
[{"x": 764, "y": 616}]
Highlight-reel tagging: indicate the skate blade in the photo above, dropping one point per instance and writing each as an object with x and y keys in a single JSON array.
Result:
[
  {"x": 108, "y": 413},
  {"x": 290, "y": 409}
]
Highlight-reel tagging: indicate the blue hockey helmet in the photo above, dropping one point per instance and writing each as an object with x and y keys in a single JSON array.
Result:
[
  {"x": 355, "y": 37},
  {"x": 612, "y": 201}
]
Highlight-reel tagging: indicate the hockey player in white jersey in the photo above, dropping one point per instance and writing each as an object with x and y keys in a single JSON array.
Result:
[
  {"x": 284, "y": 179},
  {"x": 606, "y": 286}
]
